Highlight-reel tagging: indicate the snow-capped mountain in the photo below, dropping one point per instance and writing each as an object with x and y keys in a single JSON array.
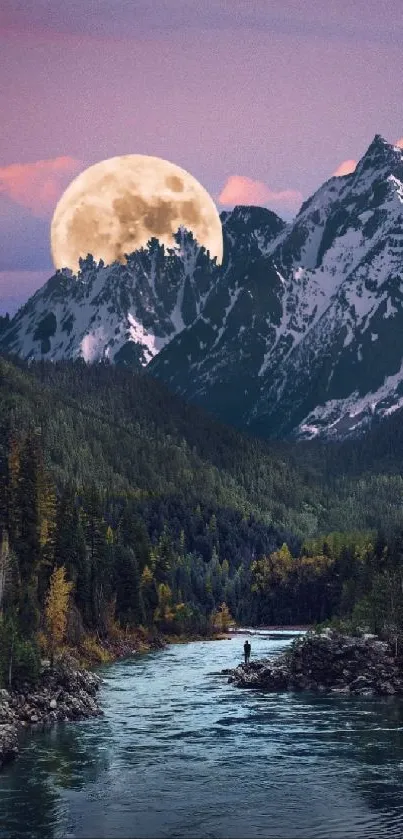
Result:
[
  {"x": 125, "y": 313},
  {"x": 311, "y": 340},
  {"x": 299, "y": 331},
  {"x": 128, "y": 312}
]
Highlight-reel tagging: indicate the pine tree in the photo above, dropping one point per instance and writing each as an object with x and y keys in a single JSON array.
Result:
[
  {"x": 4, "y": 564},
  {"x": 70, "y": 548},
  {"x": 148, "y": 593},
  {"x": 29, "y": 531},
  {"x": 95, "y": 538},
  {"x": 11, "y": 479},
  {"x": 129, "y": 602}
]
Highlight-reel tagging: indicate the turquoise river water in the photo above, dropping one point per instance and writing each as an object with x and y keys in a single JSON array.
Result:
[{"x": 181, "y": 753}]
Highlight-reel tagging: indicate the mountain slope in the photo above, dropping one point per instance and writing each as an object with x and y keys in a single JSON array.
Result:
[
  {"x": 127, "y": 313},
  {"x": 120, "y": 312},
  {"x": 343, "y": 368},
  {"x": 298, "y": 332},
  {"x": 128, "y": 435},
  {"x": 323, "y": 354}
]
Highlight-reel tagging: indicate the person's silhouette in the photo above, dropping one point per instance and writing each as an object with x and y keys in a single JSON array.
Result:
[{"x": 246, "y": 649}]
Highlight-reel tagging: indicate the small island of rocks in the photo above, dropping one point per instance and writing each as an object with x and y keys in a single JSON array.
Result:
[{"x": 327, "y": 663}]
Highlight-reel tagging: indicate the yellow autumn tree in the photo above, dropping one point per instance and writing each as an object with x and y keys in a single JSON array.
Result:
[
  {"x": 147, "y": 577},
  {"x": 270, "y": 572},
  {"x": 109, "y": 536},
  {"x": 164, "y": 613},
  {"x": 225, "y": 568},
  {"x": 221, "y": 619},
  {"x": 56, "y": 608}
]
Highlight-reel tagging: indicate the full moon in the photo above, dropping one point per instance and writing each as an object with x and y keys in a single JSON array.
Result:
[{"x": 117, "y": 205}]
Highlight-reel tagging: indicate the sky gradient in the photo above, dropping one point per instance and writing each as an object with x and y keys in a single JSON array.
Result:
[{"x": 260, "y": 100}]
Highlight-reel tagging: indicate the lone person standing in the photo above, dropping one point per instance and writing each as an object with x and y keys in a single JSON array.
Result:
[{"x": 246, "y": 649}]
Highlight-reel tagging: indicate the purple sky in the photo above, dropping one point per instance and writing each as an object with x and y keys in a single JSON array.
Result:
[{"x": 261, "y": 100}]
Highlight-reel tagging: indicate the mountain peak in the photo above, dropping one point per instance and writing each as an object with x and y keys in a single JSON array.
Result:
[
  {"x": 380, "y": 154},
  {"x": 297, "y": 331},
  {"x": 251, "y": 214},
  {"x": 379, "y": 142}
]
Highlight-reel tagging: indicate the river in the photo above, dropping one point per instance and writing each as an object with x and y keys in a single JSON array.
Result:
[{"x": 180, "y": 753}]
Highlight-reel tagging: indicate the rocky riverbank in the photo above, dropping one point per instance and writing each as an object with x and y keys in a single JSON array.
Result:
[
  {"x": 62, "y": 694},
  {"x": 327, "y": 663}
]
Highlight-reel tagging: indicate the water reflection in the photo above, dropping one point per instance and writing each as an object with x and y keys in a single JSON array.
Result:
[
  {"x": 180, "y": 753},
  {"x": 60, "y": 759}
]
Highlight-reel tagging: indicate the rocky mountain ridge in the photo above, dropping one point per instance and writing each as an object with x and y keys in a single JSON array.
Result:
[
  {"x": 297, "y": 332},
  {"x": 321, "y": 354}
]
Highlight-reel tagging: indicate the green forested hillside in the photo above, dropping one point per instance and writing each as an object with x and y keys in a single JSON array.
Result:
[
  {"x": 126, "y": 433},
  {"x": 158, "y": 516}
]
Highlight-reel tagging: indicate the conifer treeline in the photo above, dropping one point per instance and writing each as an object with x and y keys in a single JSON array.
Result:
[
  {"x": 135, "y": 510},
  {"x": 152, "y": 562}
]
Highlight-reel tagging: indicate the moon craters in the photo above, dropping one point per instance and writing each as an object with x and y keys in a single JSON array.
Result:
[
  {"x": 85, "y": 227},
  {"x": 116, "y": 206},
  {"x": 156, "y": 216},
  {"x": 174, "y": 183}
]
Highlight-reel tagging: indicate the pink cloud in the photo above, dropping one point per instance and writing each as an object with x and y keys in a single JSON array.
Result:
[
  {"x": 38, "y": 186},
  {"x": 348, "y": 166},
  {"x": 345, "y": 168},
  {"x": 241, "y": 190}
]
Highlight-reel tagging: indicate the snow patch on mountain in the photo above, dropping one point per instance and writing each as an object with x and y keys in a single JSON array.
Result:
[
  {"x": 148, "y": 341},
  {"x": 298, "y": 331},
  {"x": 92, "y": 344},
  {"x": 120, "y": 312},
  {"x": 344, "y": 416}
]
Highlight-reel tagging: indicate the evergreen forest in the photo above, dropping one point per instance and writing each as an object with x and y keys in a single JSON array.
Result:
[{"x": 123, "y": 508}]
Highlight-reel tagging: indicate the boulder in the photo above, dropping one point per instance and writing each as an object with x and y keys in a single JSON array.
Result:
[{"x": 8, "y": 743}]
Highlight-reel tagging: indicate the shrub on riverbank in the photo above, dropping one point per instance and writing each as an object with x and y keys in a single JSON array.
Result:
[{"x": 19, "y": 658}]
